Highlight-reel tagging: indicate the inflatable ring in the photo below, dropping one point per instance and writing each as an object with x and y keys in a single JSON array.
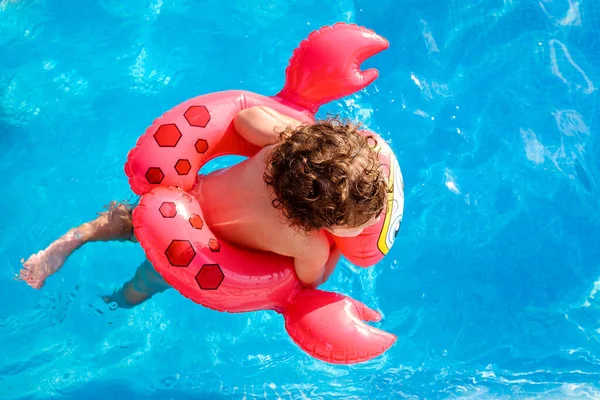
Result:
[{"x": 169, "y": 223}]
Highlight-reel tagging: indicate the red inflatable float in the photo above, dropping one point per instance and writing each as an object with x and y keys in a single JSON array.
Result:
[{"x": 169, "y": 222}]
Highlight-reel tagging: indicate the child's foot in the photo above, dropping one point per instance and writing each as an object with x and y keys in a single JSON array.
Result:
[
  {"x": 126, "y": 297},
  {"x": 44, "y": 263}
]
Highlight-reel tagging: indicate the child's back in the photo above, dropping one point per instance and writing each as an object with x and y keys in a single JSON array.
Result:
[{"x": 238, "y": 209}]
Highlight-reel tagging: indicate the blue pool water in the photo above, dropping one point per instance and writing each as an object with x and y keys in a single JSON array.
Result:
[{"x": 492, "y": 286}]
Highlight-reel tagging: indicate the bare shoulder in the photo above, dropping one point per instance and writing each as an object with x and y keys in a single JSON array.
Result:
[
  {"x": 313, "y": 246},
  {"x": 286, "y": 240}
]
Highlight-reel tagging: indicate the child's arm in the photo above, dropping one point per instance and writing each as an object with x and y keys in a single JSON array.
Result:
[
  {"x": 315, "y": 263},
  {"x": 261, "y": 125},
  {"x": 334, "y": 257}
]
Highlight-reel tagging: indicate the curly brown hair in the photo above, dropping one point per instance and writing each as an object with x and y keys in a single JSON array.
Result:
[{"x": 326, "y": 175}]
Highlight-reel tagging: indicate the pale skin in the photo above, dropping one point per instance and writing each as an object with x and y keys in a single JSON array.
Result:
[{"x": 241, "y": 213}]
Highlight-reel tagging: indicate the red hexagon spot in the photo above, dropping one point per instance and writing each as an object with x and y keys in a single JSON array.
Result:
[
  {"x": 210, "y": 277},
  {"x": 183, "y": 167},
  {"x": 187, "y": 198},
  {"x": 180, "y": 253},
  {"x": 213, "y": 245},
  {"x": 201, "y": 146},
  {"x": 196, "y": 221},
  {"x": 168, "y": 210},
  {"x": 197, "y": 116},
  {"x": 167, "y": 135},
  {"x": 154, "y": 175}
]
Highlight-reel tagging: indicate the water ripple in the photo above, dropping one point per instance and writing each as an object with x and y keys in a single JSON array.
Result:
[{"x": 565, "y": 68}]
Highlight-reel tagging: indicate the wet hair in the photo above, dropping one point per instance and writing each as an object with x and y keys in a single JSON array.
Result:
[{"x": 326, "y": 175}]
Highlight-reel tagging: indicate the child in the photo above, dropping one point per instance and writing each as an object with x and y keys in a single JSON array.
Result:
[{"x": 306, "y": 180}]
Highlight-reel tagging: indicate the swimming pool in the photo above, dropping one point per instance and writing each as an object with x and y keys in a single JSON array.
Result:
[{"x": 492, "y": 286}]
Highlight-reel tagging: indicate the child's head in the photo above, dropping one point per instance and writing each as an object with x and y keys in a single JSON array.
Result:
[{"x": 327, "y": 176}]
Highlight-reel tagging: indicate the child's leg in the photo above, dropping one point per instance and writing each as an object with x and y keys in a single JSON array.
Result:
[
  {"x": 114, "y": 224},
  {"x": 145, "y": 283}
]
